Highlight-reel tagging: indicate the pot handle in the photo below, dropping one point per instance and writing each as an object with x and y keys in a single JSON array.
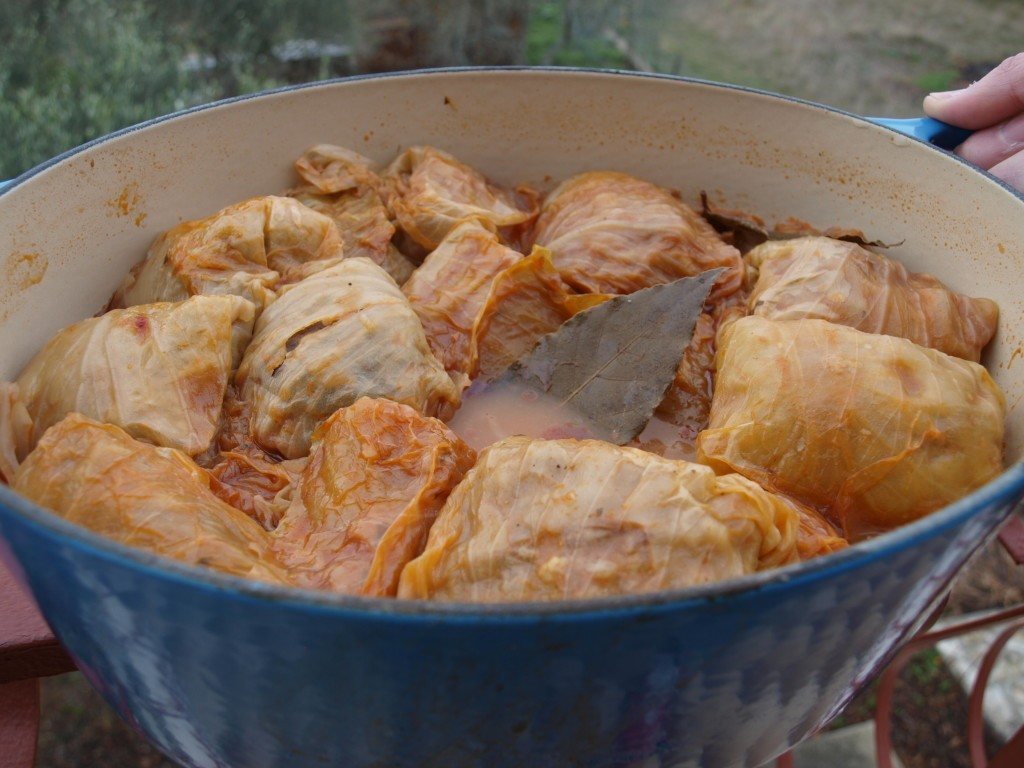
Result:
[{"x": 942, "y": 135}]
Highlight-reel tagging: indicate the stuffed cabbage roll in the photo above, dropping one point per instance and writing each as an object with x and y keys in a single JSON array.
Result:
[
  {"x": 341, "y": 334},
  {"x": 376, "y": 477},
  {"x": 250, "y": 480},
  {"x": 450, "y": 288},
  {"x": 331, "y": 169},
  {"x": 247, "y": 250},
  {"x": 431, "y": 192},
  {"x": 817, "y": 277},
  {"x": 613, "y": 233},
  {"x": 344, "y": 186},
  {"x": 687, "y": 402},
  {"x": 482, "y": 304},
  {"x": 97, "y": 476},
  {"x": 563, "y": 519},
  {"x": 816, "y": 535},
  {"x": 873, "y": 430},
  {"x": 159, "y": 371},
  {"x": 15, "y": 431},
  {"x": 526, "y": 301},
  {"x": 364, "y": 227}
]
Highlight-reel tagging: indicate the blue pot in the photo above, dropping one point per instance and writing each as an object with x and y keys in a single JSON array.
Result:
[{"x": 221, "y": 672}]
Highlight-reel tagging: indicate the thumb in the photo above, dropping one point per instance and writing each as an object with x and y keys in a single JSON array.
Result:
[{"x": 998, "y": 96}]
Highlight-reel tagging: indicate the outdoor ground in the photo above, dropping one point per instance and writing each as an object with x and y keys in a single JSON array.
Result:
[
  {"x": 873, "y": 57},
  {"x": 868, "y": 56},
  {"x": 929, "y": 705}
]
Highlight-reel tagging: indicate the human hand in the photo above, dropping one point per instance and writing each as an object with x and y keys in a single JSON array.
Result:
[{"x": 994, "y": 107}]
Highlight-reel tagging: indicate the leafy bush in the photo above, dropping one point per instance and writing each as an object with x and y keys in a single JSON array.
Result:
[{"x": 72, "y": 70}]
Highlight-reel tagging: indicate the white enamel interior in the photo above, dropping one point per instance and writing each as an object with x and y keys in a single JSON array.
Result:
[{"x": 69, "y": 233}]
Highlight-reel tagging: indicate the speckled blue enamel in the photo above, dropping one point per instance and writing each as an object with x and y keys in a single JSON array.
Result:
[{"x": 220, "y": 672}]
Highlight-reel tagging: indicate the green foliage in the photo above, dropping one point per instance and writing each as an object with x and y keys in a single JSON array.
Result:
[
  {"x": 72, "y": 70},
  {"x": 591, "y": 53},
  {"x": 942, "y": 80},
  {"x": 545, "y": 31},
  {"x": 565, "y": 34},
  {"x": 75, "y": 69},
  {"x": 925, "y": 667}
]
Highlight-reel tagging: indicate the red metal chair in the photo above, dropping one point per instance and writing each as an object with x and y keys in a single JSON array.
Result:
[
  {"x": 1011, "y": 755},
  {"x": 28, "y": 651}
]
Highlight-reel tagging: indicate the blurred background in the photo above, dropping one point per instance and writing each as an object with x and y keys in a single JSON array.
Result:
[{"x": 72, "y": 70}]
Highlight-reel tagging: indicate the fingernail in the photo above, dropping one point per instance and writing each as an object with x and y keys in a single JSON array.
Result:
[{"x": 942, "y": 95}]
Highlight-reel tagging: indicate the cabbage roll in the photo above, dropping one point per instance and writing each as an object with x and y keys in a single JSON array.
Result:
[
  {"x": 874, "y": 431},
  {"x": 159, "y": 371},
  {"x": 613, "y": 233},
  {"x": 564, "y": 519},
  {"x": 15, "y": 431},
  {"x": 687, "y": 402},
  {"x": 376, "y": 477},
  {"x": 450, "y": 288},
  {"x": 816, "y": 535},
  {"x": 482, "y": 304},
  {"x": 96, "y": 476},
  {"x": 817, "y": 277},
  {"x": 247, "y": 250},
  {"x": 431, "y": 192},
  {"x": 331, "y": 169},
  {"x": 341, "y": 334},
  {"x": 344, "y": 186},
  {"x": 526, "y": 301},
  {"x": 363, "y": 225},
  {"x": 250, "y": 480}
]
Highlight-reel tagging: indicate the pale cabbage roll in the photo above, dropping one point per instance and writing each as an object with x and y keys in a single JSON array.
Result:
[
  {"x": 565, "y": 519},
  {"x": 15, "y": 431},
  {"x": 363, "y": 225},
  {"x": 332, "y": 169},
  {"x": 344, "y": 186},
  {"x": 687, "y": 402},
  {"x": 431, "y": 192},
  {"x": 613, "y": 233},
  {"x": 376, "y": 477},
  {"x": 527, "y": 301},
  {"x": 247, "y": 250},
  {"x": 816, "y": 536},
  {"x": 158, "y": 371},
  {"x": 875, "y": 431},
  {"x": 482, "y": 304},
  {"x": 818, "y": 277},
  {"x": 96, "y": 476},
  {"x": 250, "y": 480},
  {"x": 341, "y": 334},
  {"x": 450, "y": 288}
]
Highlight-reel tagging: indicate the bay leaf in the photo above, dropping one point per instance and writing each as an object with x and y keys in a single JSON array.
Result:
[
  {"x": 613, "y": 363},
  {"x": 858, "y": 237},
  {"x": 747, "y": 231}
]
